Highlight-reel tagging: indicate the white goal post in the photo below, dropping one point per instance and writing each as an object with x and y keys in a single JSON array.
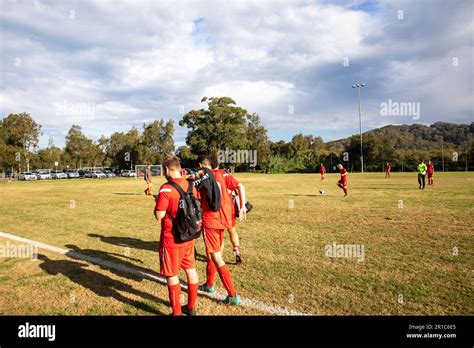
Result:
[{"x": 156, "y": 170}]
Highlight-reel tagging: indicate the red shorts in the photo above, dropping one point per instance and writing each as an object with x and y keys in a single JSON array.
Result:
[
  {"x": 174, "y": 259},
  {"x": 213, "y": 239},
  {"x": 342, "y": 182}
]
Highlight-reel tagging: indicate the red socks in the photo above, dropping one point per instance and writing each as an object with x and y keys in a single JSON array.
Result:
[
  {"x": 210, "y": 272},
  {"x": 174, "y": 292},
  {"x": 226, "y": 279},
  {"x": 192, "y": 295}
]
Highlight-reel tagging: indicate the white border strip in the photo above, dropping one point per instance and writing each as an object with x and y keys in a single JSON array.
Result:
[{"x": 246, "y": 302}]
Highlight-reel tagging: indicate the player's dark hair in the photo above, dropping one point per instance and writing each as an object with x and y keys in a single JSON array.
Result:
[
  {"x": 214, "y": 162},
  {"x": 172, "y": 163},
  {"x": 204, "y": 160}
]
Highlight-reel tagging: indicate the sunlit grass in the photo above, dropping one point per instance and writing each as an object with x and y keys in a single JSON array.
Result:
[{"x": 408, "y": 236}]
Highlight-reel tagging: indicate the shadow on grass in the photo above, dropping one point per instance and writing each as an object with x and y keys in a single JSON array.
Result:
[
  {"x": 127, "y": 242},
  {"x": 113, "y": 259},
  {"x": 98, "y": 283},
  {"x": 199, "y": 257}
]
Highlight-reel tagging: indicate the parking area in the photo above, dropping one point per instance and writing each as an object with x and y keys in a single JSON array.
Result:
[{"x": 82, "y": 173}]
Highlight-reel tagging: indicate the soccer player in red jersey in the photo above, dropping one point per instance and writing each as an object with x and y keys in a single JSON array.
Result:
[
  {"x": 175, "y": 255},
  {"x": 342, "y": 183},
  {"x": 232, "y": 186},
  {"x": 430, "y": 173},
  {"x": 322, "y": 171},
  {"x": 388, "y": 169},
  {"x": 215, "y": 222}
]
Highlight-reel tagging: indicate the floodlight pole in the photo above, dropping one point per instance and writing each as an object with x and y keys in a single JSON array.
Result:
[{"x": 359, "y": 86}]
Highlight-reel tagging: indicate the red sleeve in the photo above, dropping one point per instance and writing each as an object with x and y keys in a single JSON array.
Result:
[
  {"x": 231, "y": 182},
  {"x": 163, "y": 198},
  {"x": 196, "y": 193}
]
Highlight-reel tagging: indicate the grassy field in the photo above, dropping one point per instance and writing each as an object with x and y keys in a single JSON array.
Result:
[{"x": 410, "y": 238}]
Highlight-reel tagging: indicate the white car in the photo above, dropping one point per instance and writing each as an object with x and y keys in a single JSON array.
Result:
[
  {"x": 98, "y": 174},
  {"x": 57, "y": 174},
  {"x": 109, "y": 173},
  {"x": 72, "y": 173},
  {"x": 27, "y": 176},
  {"x": 129, "y": 173},
  {"x": 43, "y": 176}
]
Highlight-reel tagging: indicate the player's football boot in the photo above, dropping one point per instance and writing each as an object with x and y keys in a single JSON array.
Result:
[
  {"x": 238, "y": 258},
  {"x": 188, "y": 312},
  {"x": 231, "y": 301},
  {"x": 207, "y": 288}
]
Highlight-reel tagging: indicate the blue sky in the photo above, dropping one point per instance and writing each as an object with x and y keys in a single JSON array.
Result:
[{"x": 108, "y": 66}]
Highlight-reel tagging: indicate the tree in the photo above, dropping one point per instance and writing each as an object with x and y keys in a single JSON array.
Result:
[
  {"x": 185, "y": 156},
  {"x": 81, "y": 150},
  {"x": 157, "y": 141},
  {"x": 22, "y": 132},
  {"x": 123, "y": 148},
  {"x": 257, "y": 139},
  {"x": 222, "y": 125}
]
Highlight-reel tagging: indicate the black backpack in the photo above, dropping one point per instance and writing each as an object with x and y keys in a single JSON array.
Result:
[{"x": 188, "y": 221}]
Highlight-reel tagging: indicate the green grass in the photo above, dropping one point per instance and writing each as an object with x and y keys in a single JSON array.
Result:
[{"x": 408, "y": 250}]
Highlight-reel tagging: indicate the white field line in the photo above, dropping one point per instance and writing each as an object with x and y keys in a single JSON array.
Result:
[{"x": 246, "y": 302}]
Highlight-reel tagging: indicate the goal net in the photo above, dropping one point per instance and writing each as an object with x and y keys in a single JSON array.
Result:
[{"x": 140, "y": 169}]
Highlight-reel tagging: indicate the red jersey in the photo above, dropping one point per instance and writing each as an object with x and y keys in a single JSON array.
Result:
[
  {"x": 343, "y": 172},
  {"x": 388, "y": 168},
  {"x": 430, "y": 168},
  {"x": 221, "y": 219},
  {"x": 322, "y": 170},
  {"x": 168, "y": 200},
  {"x": 230, "y": 181}
]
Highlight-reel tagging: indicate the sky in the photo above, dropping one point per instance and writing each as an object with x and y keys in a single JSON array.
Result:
[{"x": 113, "y": 65}]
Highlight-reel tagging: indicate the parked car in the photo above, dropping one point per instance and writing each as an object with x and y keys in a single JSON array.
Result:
[
  {"x": 109, "y": 173},
  {"x": 128, "y": 173},
  {"x": 27, "y": 176},
  {"x": 81, "y": 173},
  {"x": 97, "y": 174},
  {"x": 8, "y": 173},
  {"x": 72, "y": 174},
  {"x": 87, "y": 174},
  {"x": 43, "y": 176},
  {"x": 57, "y": 174}
]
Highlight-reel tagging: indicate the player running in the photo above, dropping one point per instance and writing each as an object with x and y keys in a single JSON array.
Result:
[
  {"x": 430, "y": 173},
  {"x": 388, "y": 169},
  {"x": 421, "y": 168},
  {"x": 322, "y": 170},
  {"x": 147, "y": 177},
  {"x": 342, "y": 183},
  {"x": 175, "y": 255},
  {"x": 217, "y": 216},
  {"x": 236, "y": 191}
]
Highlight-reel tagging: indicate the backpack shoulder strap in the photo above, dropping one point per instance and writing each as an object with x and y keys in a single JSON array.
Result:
[
  {"x": 190, "y": 187},
  {"x": 177, "y": 187}
]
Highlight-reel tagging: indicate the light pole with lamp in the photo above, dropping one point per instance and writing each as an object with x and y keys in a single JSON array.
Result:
[{"x": 359, "y": 86}]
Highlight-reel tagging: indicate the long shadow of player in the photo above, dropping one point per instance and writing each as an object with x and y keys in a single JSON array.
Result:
[
  {"x": 114, "y": 260},
  {"x": 127, "y": 242},
  {"x": 98, "y": 283}
]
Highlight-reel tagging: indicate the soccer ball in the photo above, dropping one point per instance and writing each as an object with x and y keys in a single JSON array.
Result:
[{"x": 321, "y": 191}]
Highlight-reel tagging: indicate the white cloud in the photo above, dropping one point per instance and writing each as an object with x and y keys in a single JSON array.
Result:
[{"x": 140, "y": 61}]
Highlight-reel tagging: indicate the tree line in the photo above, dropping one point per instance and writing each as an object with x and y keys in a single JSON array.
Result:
[{"x": 225, "y": 125}]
